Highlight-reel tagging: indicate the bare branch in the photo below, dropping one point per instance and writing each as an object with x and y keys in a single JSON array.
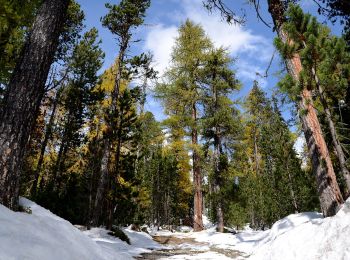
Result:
[
  {"x": 229, "y": 15},
  {"x": 268, "y": 67},
  {"x": 54, "y": 84},
  {"x": 256, "y": 4}
]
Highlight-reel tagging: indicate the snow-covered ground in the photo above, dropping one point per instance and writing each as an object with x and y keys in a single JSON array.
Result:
[
  {"x": 140, "y": 243},
  {"x": 43, "y": 235},
  {"x": 306, "y": 236}
]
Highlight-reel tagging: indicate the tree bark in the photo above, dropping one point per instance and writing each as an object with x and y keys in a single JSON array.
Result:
[
  {"x": 327, "y": 186},
  {"x": 197, "y": 177},
  {"x": 24, "y": 94},
  {"x": 102, "y": 184}
]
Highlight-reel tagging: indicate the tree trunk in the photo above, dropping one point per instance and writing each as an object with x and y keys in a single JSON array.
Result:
[
  {"x": 291, "y": 189},
  {"x": 102, "y": 183},
  {"x": 217, "y": 185},
  {"x": 58, "y": 168},
  {"x": 24, "y": 94},
  {"x": 327, "y": 186},
  {"x": 217, "y": 177},
  {"x": 107, "y": 151},
  {"x": 47, "y": 137},
  {"x": 197, "y": 177},
  {"x": 335, "y": 140}
]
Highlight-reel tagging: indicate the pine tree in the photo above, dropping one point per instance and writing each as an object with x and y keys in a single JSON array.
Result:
[
  {"x": 272, "y": 183},
  {"x": 77, "y": 96},
  {"x": 338, "y": 10},
  {"x": 309, "y": 40},
  {"x": 24, "y": 93},
  {"x": 328, "y": 189},
  {"x": 219, "y": 124},
  {"x": 15, "y": 16},
  {"x": 120, "y": 20}
]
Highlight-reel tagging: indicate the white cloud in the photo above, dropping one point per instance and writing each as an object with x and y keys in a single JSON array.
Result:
[
  {"x": 160, "y": 41},
  {"x": 241, "y": 42},
  {"x": 249, "y": 72}
]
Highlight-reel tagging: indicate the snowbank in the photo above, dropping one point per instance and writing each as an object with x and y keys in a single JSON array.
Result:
[
  {"x": 140, "y": 242},
  {"x": 307, "y": 236},
  {"x": 43, "y": 235}
]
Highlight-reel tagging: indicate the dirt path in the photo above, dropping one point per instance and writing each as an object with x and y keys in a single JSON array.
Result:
[{"x": 188, "y": 248}]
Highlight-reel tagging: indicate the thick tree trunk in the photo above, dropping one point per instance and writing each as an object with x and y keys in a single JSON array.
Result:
[
  {"x": 327, "y": 186},
  {"x": 24, "y": 94},
  {"x": 197, "y": 177}
]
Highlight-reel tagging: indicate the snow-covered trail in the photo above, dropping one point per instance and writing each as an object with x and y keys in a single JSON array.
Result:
[{"x": 178, "y": 246}]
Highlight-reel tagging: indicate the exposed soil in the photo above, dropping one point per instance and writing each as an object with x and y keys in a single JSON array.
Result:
[{"x": 176, "y": 248}]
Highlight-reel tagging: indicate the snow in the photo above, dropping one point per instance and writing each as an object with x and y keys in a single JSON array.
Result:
[
  {"x": 202, "y": 256},
  {"x": 140, "y": 242},
  {"x": 43, "y": 235},
  {"x": 307, "y": 236},
  {"x": 206, "y": 222}
]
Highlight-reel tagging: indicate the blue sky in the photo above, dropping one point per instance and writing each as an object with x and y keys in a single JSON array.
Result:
[{"x": 251, "y": 44}]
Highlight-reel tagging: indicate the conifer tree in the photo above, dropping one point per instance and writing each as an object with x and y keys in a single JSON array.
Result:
[
  {"x": 182, "y": 97},
  {"x": 328, "y": 189},
  {"x": 24, "y": 94},
  {"x": 120, "y": 20},
  {"x": 15, "y": 16},
  {"x": 272, "y": 183},
  {"x": 309, "y": 41},
  {"x": 219, "y": 122},
  {"x": 338, "y": 10},
  {"x": 77, "y": 96},
  {"x": 58, "y": 163}
]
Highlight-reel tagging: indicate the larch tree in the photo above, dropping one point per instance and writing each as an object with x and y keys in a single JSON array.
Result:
[
  {"x": 24, "y": 94},
  {"x": 182, "y": 97},
  {"x": 120, "y": 20}
]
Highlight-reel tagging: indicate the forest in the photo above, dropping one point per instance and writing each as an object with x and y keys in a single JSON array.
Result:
[{"x": 77, "y": 137}]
